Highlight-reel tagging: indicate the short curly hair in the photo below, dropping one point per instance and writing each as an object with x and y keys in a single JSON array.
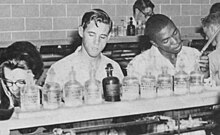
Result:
[
  {"x": 142, "y": 4},
  {"x": 155, "y": 24},
  {"x": 211, "y": 19},
  {"x": 97, "y": 15},
  {"x": 24, "y": 55},
  {"x": 215, "y": 8}
]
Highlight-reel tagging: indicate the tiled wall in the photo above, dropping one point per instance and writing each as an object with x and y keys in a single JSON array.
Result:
[{"x": 56, "y": 19}]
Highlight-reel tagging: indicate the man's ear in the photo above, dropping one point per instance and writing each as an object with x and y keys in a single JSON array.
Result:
[
  {"x": 213, "y": 28},
  {"x": 80, "y": 31},
  {"x": 153, "y": 43}
]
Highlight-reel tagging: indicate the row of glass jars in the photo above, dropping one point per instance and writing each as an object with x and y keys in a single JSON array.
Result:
[{"x": 74, "y": 94}]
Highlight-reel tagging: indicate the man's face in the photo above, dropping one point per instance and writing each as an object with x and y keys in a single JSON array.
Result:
[
  {"x": 210, "y": 31},
  {"x": 143, "y": 15},
  {"x": 168, "y": 39},
  {"x": 94, "y": 38}
]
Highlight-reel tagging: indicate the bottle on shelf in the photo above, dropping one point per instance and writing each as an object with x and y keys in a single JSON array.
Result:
[
  {"x": 93, "y": 89},
  {"x": 148, "y": 86},
  {"x": 30, "y": 94},
  {"x": 142, "y": 28},
  {"x": 52, "y": 92},
  {"x": 139, "y": 28},
  {"x": 130, "y": 87},
  {"x": 165, "y": 83},
  {"x": 181, "y": 81},
  {"x": 121, "y": 29},
  {"x": 111, "y": 85},
  {"x": 196, "y": 80},
  {"x": 114, "y": 31},
  {"x": 131, "y": 28},
  {"x": 73, "y": 91}
]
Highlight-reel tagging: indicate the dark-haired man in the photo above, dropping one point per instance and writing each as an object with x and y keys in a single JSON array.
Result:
[
  {"x": 167, "y": 50},
  {"x": 95, "y": 32},
  {"x": 211, "y": 24}
]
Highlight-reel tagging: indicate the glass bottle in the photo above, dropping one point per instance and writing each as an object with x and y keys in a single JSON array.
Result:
[
  {"x": 30, "y": 94},
  {"x": 165, "y": 83},
  {"x": 112, "y": 132},
  {"x": 131, "y": 28},
  {"x": 148, "y": 86},
  {"x": 93, "y": 89},
  {"x": 114, "y": 30},
  {"x": 142, "y": 28},
  {"x": 196, "y": 80},
  {"x": 139, "y": 27},
  {"x": 130, "y": 87},
  {"x": 52, "y": 92},
  {"x": 111, "y": 85},
  {"x": 121, "y": 28},
  {"x": 73, "y": 91},
  {"x": 181, "y": 81}
]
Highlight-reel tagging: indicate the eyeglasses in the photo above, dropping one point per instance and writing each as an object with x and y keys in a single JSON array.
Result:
[
  {"x": 146, "y": 14},
  {"x": 18, "y": 83}
]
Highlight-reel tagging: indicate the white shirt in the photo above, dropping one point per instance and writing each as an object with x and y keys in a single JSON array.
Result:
[
  {"x": 152, "y": 61},
  {"x": 214, "y": 65},
  {"x": 82, "y": 68}
]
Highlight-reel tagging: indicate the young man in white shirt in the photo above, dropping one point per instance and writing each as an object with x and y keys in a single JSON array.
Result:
[{"x": 95, "y": 33}]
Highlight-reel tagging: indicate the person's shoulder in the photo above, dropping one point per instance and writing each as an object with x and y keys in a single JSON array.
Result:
[
  {"x": 62, "y": 62},
  {"x": 188, "y": 49},
  {"x": 143, "y": 55},
  {"x": 108, "y": 60},
  {"x": 214, "y": 53}
]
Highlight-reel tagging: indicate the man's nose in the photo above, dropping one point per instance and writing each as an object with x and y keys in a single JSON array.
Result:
[
  {"x": 14, "y": 88},
  {"x": 176, "y": 39},
  {"x": 96, "y": 40}
]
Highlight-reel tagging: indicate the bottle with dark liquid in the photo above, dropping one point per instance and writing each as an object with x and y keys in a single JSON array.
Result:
[
  {"x": 111, "y": 85},
  {"x": 131, "y": 28}
]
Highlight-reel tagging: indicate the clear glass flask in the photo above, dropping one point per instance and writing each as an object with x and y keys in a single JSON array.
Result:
[
  {"x": 52, "y": 92},
  {"x": 165, "y": 83},
  {"x": 73, "y": 91}
]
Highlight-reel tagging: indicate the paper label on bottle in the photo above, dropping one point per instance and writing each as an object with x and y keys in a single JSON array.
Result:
[
  {"x": 30, "y": 100},
  {"x": 130, "y": 92},
  {"x": 195, "y": 80},
  {"x": 73, "y": 96},
  {"x": 75, "y": 93},
  {"x": 148, "y": 90},
  {"x": 165, "y": 85},
  {"x": 113, "y": 90},
  {"x": 54, "y": 97},
  {"x": 180, "y": 86}
]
